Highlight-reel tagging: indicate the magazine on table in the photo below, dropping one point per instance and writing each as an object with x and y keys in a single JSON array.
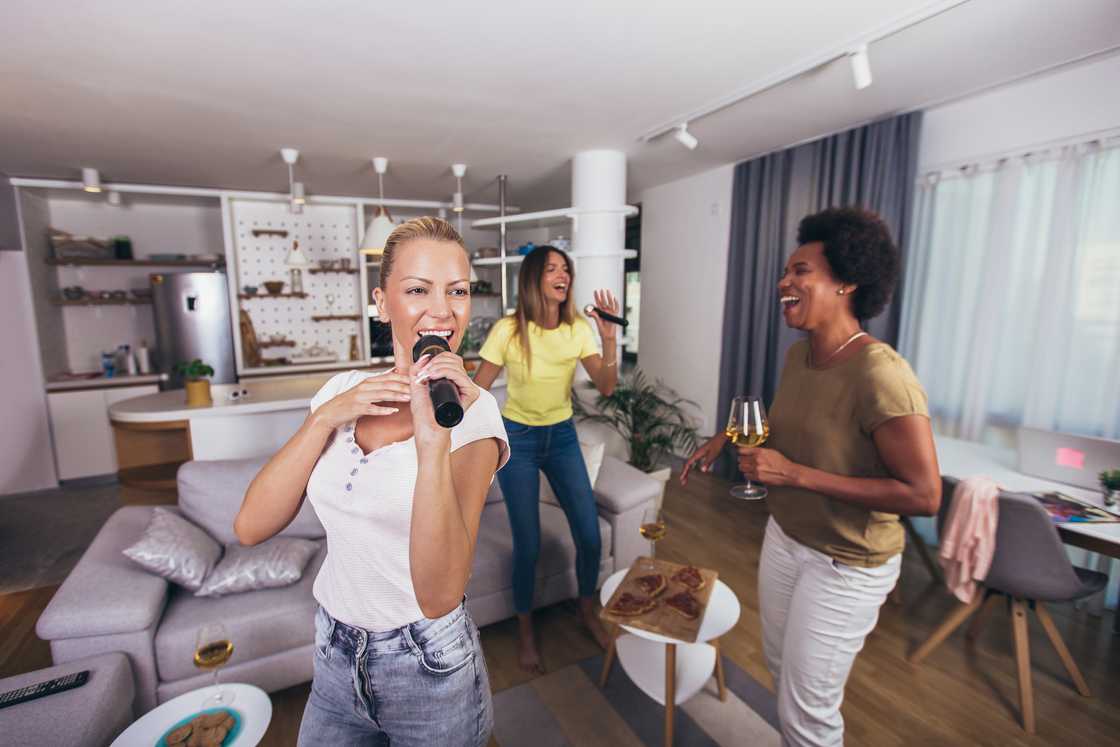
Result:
[{"x": 1067, "y": 509}]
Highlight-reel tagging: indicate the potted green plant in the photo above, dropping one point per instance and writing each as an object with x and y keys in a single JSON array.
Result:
[
  {"x": 195, "y": 374},
  {"x": 651, "y": 419},
  {"x": 1110, "y": 481}
]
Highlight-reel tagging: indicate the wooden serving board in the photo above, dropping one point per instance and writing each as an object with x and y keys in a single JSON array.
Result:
[{"x": 662, "y": 619}]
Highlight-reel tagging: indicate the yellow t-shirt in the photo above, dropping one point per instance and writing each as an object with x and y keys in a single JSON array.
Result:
[
  {"x": 824, "y": 419},
  {"x": 542, "y": 394}
]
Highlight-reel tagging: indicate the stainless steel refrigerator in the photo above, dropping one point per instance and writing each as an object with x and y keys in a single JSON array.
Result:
[{"x": 193, "y": 321}]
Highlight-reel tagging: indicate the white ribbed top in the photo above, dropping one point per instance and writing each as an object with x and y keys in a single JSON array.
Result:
[{"x": 365, "y": 504}]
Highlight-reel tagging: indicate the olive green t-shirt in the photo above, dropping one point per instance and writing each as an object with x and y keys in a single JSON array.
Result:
[{"x": 824, "y": 419}]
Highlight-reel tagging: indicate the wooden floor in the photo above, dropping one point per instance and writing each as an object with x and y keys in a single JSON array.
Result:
[{"x": 961, "y": 695}]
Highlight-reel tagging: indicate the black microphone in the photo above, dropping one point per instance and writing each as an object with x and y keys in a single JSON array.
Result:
[
  {"x": 444, "y": 393},
  {"x": 605, "y": 315}
]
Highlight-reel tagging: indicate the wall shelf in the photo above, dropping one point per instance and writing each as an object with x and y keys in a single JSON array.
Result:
[
  {"x": 246, "y": 296},
  {"x": 258, "y": 232},
  {"x": 136, "y": 262},
  {"x": 336, "y": 318},
  {"x": 276, "y": 344},
  {"x": 344, "y": 271},
  {"x": 101, "y": 301},
  {"x": 544, "y": 218}
]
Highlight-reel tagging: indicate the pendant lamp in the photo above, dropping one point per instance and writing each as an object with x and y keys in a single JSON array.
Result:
[{"x": 378, "y": 230}]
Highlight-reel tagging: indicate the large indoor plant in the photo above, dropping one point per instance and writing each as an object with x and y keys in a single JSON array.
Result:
[
  {"x": 649, "y": 416},
  {"x": 195, "y": 374}
]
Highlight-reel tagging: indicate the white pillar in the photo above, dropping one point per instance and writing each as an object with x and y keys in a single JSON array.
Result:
[{"x": 599, "y": 229}]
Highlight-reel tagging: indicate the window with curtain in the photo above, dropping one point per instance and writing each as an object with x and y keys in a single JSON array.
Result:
[{"x": 1011, "y": 314}]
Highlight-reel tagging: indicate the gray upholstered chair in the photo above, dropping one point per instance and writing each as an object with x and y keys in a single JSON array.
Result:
[{"x": 1029, "y": 567}]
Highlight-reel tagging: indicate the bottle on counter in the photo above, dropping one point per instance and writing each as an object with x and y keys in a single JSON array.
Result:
[
  {"x": 143, "y": 358},
  {"x": 108, "y": 364}
]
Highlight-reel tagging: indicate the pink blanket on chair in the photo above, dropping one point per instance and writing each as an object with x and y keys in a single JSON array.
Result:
[{"x": 969, "y": 535}]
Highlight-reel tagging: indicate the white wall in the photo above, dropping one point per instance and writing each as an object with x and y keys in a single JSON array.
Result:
[
  {"x": 1079, "y": 100},
  {"x": 685, "y": 229},
  {"x": 26, "y": 462}
]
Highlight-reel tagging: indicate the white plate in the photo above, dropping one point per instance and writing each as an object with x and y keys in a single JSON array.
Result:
[{"x": 251, "y": 703}]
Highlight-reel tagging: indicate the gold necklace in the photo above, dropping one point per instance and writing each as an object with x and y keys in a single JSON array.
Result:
[{"x": 847, "y": 342}]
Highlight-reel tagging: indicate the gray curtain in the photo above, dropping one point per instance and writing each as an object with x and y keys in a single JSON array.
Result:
[{"x": 873, "y": 167}]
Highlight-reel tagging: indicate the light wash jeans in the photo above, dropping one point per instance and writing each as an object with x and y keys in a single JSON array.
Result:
[
  {"x": 816, "y": 613},
  {"x": 421, "y": 684}
]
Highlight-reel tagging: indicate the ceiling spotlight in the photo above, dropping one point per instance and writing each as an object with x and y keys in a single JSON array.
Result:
[
  {"x": 91, "y": 180},
  {"x": 861, "y": 67},
  {"x": 114, "y": 198},
  {"x": 459, "y": 170},
  {"x": 684, "y": 137}
]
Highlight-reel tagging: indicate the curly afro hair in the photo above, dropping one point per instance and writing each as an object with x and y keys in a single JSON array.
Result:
[{"x": 859, "y": 249}]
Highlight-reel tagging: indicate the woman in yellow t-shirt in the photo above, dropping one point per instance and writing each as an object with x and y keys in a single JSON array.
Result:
[
  {"x": 850, "y": 450},
  {"x": 539, "y": 346}
]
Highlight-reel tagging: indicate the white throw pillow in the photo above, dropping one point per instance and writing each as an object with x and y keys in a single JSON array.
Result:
[
  {"x": 174, "y": 548},
  {"x": 592, "y": 457},
  {"x": 278, "y": 562}
]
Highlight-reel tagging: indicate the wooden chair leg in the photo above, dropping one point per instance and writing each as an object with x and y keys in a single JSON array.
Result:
[
  {"x": 951, "y": 623},
  {"x": 977, "y": 623},
  {"x": 1023, "y": 662},
  {"x": 608, "y": 658},
  {"x": 719, "y": 672},
  {"x": 670, "y": 690},
  {"x": 923, "y": 551},
  {"x": 1060, "y": 646}
]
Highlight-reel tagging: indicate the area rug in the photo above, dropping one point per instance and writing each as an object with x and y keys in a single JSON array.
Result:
[
  {"x": 43, "y": 534},
  {"x": 567, "y": 708}
]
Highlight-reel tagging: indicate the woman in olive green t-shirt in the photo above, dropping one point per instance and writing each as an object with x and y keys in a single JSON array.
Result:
[{"x": 850, "y": 450}]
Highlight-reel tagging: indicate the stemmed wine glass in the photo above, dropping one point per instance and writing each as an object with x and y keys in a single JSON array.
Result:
[
  {"x": 213, "y": 648},
  {"x": 747, "y": 426},
  {"x": 653, "y": 528}
]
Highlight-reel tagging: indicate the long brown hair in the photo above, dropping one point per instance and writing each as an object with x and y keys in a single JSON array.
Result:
[
  {"x": 427, "y": 227},
  {"x": 530, "y": 301}
]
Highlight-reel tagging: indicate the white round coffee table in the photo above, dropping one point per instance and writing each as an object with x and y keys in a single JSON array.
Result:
[
  {"x": 666, "y": 669},
  {"x": 251, "y": 703}
]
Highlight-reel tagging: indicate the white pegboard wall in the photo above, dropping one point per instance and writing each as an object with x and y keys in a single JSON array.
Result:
[{"x": 323, "y": 232}]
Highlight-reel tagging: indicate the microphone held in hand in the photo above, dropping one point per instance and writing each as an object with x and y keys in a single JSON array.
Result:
[
  {"x": 606, "y": 316},
  {"x": 444, "y": 393}
]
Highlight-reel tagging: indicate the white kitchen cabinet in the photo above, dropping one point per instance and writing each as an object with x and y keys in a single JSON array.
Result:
[{"x": 80, "y": 430}]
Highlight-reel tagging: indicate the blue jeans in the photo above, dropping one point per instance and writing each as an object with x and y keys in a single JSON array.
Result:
[
  {"x": 553, "y": 449},
  {"x": 421, "y": 684}
]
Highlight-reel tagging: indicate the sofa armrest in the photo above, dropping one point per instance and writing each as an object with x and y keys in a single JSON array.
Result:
[
  {"x": 623, "y": 494},
  {"x": 107, "y": 593},
  {"x": 620, "y": 487}
]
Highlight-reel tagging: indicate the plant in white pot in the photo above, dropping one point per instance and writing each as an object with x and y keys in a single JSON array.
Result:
[
  {"x": 651, "y": 419},
  {"x": 1110, "y": 482},
  {"x": 195, "y": 374}
]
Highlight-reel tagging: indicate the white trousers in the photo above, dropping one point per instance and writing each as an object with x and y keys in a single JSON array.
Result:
[{"x": 816, "y": 613}]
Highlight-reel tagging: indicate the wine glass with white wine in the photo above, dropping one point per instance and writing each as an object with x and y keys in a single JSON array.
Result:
[
  {"x": 213, "y": 648},
  {"x": 747, "y": 426},
  {"x": 653, "y": 528}
]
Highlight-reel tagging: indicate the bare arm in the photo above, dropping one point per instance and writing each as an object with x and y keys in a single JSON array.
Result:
[
  {"x": 275, "y": 495},
  {"x": 603, "y": 369},
  {"x": 449, "y": 495},
  {"x": 487, "y": 373},
  {"x": 905, "y": 445}
]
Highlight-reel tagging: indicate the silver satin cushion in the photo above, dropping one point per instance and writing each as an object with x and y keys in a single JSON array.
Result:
[
  {"x": 278, "y": 562},
  {"x": 175, "y": 549}
]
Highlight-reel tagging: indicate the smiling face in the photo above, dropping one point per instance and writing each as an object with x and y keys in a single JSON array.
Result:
[
  {"x": 427, "y": 293},
  {"x": 556, "y": 280},
  {"x": 808, "y": 291}
]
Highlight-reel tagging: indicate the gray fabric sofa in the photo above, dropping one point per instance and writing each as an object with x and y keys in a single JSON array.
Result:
[{"x": 108, "y": 603}]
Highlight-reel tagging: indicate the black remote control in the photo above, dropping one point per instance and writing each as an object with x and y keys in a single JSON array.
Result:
[{"x": 50, "y": 687}]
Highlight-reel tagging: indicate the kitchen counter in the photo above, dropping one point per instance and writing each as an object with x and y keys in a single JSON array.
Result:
[
  {"x": 67, "y": 383},
  {"x": 264, "y": 396}
]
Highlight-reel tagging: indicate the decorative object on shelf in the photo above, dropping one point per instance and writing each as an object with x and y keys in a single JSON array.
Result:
[
  {"x": 250, "y": 348},
  {"x": 167, "y": 257},
  {"x": 326, "y": 264},
  {"x": 141, "y": 292},
  {"x": 525, "y": 248},
  {"x": 378, "y": 230},
  {"x": 295, "y": 203},
  {"x": 296, "y": 263},
  {"x": 486, "y": 252},
  {"x": 144, "y": 358},
  {"x": 1110, "y": 482},
  {"x": 354, "y": 354},
  {"x": 313, "y": 354},
  {"x": 274, "y": 287},
  {"x": 278, "y": 232},
  {"x": 73, "y": 293},
  {"x": 122, "y": 247},
  {"x": 68, "y": 246},
  {"x": 481, "y": 287},
  {"x": 344, "y": 264},
  {"x": 117, "y": 295},
  {"x": 198, "y": 385},
  {"x": 249, "y": 290}
]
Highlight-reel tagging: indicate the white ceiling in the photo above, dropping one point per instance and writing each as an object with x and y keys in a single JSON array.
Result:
[{"x": 205, "y": 93}]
